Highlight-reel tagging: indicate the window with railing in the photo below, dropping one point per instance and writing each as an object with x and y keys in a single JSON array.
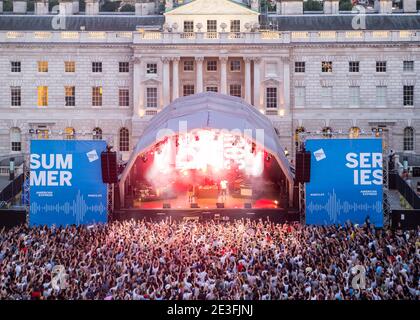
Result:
[
  {"x": 188, "y": 26},
  {"x": 211, "y": 25},
  {"x": 235, "y": 26}
]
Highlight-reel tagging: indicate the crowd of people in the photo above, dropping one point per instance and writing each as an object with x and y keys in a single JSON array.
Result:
[{"x": 187, "y": 260}]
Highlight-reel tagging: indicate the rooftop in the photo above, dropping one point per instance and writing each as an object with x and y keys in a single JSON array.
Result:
[{"x": 119, "y": 22}]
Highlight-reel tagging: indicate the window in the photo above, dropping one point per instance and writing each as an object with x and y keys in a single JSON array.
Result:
[
  {"x": 97, "y": 134},
  {"x": 124, "y": 97},
  {"x": 69, "y": 66},
  {"x": 15, "y": 66},
  {"x": 380, "y": 66},
  {"x": 327, "y": 132},
  {"x": 151, "y": 68},
  {"x": 42, "y": 66},
  {"x": 408, "y": 95},
  {"x": 70, "y": 96},
  {"x": 212, "y": 89},
  {"x": 354, "y": 66},
  {"x": 326, "y": 96},
  {"x": 97, "y": 96},
  {"x": 300, "y": 66},
  {"x": 188, "y": 26},
  {"x": 381, "y": 96},
  {"x": 326, "y": 66},
  {"x": 408, "y": 139},
  {"x": 354, "y": 96},
  {"x": 235, "y": 90},
  {"x": 189, "y": 65},
  {"x": 211, "y": 65},
  {"x": 408, "y": 66},
  {"x": 15, "y": 140},
  {"x": 271, "y": 97},
  {"x": 15, "y": 96},
  {"x": 151, "y": 97},
  {"x": 211, "y": 26},
  {"x": 69, "y": 133},
  {"x": 188, "y": 89},
  {"x": 235, "y": 65},
  {"x": 124, "y": 67},
  {"x": 124, "y": 140},
  {"x": 235, "y": 26},
  {"x": 42, "y": 96},
  {"x": 96, "y": 67},
  {"x": 300, "y": 96}
]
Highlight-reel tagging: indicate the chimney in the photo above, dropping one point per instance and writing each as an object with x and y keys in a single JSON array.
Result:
[
  {"x": 255, "y": 5},
  {"x": 278, "y": 7},
  {"x": 145, "y": 7},
  {"x": 331, "y": 7},
  {"x": 41, "y": 7},
  {"x": 20, "y": 6},
  {"x": 92, "y": 7},
  {"x": 409, "y": 6},
  {"x": 169, "y": 5},
  {"x": 75, "y": 6},
  {"x": 383, "y": 6},
  {"x": 291, "y": 7},
  {"x": 66, "y": 7}
]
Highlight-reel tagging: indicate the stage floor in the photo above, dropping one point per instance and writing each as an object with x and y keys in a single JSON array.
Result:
[{"x": 181, "y": 202}]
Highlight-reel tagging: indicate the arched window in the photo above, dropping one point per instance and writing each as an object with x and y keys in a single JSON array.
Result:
[
  {"x": 354, "y": 132},
  {"x": 124, "y": 140},
  {"x": 69, "y": 133},
  {"x": 97, "y": 134},
  {"x": 408, "y": 139},
  {"x": 327, "y": 132},
  {"x": 15, "y": 140}
]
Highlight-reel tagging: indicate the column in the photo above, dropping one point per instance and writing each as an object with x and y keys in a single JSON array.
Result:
[
  {"x": 138, "y": 101},
  {"x": 175, "y": 78},
  {"x": 248, "y": 79},
  {"x": 223, "y": 75},
  {"x": 199, "y": 80},
  {"x": 286, "y": 83},
  {"x": 257, "y": 82},
  {"x": 166, "y": 82}
]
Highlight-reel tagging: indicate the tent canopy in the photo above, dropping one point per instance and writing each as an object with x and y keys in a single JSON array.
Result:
[{"x": 210, "y": 111}]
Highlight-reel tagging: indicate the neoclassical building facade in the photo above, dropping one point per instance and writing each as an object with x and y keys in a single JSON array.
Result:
[{"x": 104, "y": 76}]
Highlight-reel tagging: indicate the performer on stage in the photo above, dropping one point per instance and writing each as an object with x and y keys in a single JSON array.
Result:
[
  {"x": 223, "y": 189},
  {"x": 190, "y": 193}
]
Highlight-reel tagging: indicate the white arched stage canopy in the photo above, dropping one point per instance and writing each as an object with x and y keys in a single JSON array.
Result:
[{"x": 210, "y": 111}]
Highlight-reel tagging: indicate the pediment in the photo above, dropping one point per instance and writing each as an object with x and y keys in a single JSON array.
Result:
[
  {"x": 213, "y": 7},
  {"x": 151, "y": 82}
]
